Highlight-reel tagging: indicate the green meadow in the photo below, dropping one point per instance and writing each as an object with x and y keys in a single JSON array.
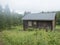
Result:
[{"x": 16, "y": 36}]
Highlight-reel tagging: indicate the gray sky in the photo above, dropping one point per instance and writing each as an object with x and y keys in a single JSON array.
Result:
[{"x": 32, "y": 5}]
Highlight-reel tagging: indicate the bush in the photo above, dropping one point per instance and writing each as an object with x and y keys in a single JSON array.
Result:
[{"x": 31, "y": 38}]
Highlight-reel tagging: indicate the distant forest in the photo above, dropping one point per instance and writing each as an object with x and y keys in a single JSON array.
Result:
[{"x": 8, "y": 19}]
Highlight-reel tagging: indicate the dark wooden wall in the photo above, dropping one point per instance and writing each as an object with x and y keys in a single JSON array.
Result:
[{"x": 39, "y": 24}]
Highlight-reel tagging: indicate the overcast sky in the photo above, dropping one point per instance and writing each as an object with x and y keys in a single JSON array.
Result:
[{"x": 32, "y": 5}]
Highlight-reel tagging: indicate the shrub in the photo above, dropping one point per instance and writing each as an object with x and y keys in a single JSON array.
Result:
[{"x": 31, "y": 38}]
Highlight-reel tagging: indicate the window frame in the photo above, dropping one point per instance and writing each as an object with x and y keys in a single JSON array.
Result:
[{"x": 29, "y": 23}]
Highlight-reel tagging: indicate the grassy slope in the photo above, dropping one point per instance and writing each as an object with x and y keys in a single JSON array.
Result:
[
  {"x": 16, "y": 37},
  {"x": 58, "y": 28}
]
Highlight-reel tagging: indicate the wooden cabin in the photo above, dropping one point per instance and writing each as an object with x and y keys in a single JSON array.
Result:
[{"x": 39, "y": 20}]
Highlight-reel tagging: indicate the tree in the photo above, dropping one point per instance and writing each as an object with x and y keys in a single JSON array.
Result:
[
  {"x": 1, "y": 9},
  {"x": 58, "y": 17},
  {"x": 1, "y": 18},
  {"x": 8, "y": 19},
  {"x": 7, "y": 16}
]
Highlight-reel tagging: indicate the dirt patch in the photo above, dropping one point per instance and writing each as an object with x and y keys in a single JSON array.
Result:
[{"x": 1, "y": 42}]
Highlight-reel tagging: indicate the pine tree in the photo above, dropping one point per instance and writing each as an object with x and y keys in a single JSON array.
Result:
[{"x": 8, "y": 16}]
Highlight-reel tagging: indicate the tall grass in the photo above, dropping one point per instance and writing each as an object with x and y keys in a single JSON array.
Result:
[{"x": 31, "y": 38}]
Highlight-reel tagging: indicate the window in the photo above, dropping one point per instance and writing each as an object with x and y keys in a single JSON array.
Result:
[
  {"x": 34, "y": 23},
  {"x": 29, "y": 23}
]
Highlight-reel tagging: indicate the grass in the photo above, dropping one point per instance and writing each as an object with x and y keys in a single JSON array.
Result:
[
  {"x": 16, "y": 37},
  {"x": 15, "y": 28},
  {"x": 57, "y": 28}
]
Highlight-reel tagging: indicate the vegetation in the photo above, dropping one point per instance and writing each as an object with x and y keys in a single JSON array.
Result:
[
  {"x": 58, "y": 17},
  {"x": 19, "y": 37},
  {"x": 13, "y": 34},
  {"x": 9, "y": 19}
]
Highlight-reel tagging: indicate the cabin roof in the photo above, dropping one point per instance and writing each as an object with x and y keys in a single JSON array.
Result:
[{"x": 39, "y": 16}]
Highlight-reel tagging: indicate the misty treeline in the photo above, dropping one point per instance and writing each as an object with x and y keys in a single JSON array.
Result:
[
  {"x": 58, "y": 17},
  {"x": 8, "y": 19}
]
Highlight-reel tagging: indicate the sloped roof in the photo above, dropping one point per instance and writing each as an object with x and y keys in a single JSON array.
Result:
[{"x": 39, "y": 16}]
